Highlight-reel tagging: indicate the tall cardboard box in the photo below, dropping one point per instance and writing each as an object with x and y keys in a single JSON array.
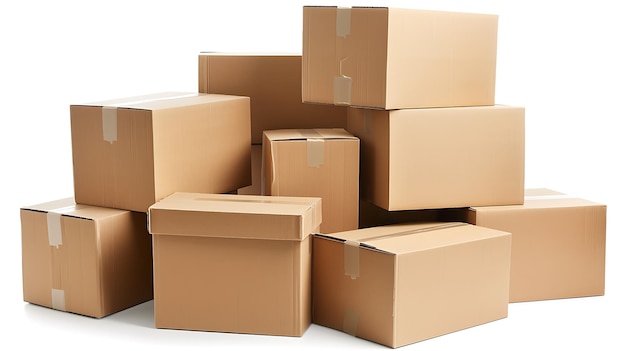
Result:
[
  {"x": 559, "y": 244},
  {"x": 129, "y": 153},
  {"x": 88, "y": 260},
  {"x": 401, "y": 284},
  {"x": 233, "y": 263},
  {"x": 453, "y": 157},
  {"x": 392, "y": 58},
  {"x": 319, "y": 163},
  {"x": 274, "y": 84}
]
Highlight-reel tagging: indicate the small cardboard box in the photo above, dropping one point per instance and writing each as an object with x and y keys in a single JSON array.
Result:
[
  {"x": 129, "y": 153},
  {"x": 400, "y": 284},
  {"x": 452, "y": 157},
  {"x": 392, "y": 58},
  {"x": 319, "y": 163},
  {"x": 88, "y": 260},
  {"x": 274, "y": 84},
  {"x": 233, "y": 263},
  {"x": 559, "y": 244}
]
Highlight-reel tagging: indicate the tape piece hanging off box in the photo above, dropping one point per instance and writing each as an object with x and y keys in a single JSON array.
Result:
[
  {"x": 109, "y": 123},
  {"x": 53, "y": 218}
]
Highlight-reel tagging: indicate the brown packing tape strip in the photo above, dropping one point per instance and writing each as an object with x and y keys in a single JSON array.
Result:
[
  {"x": 342, "y": 22},
  {"x": 342, "y": 89},
  {"x": 314, "y": 147},
  {"x": 58, "y": 299},
  {"x": 350, "y": 322},
  {"x": 342, "y": 84},
  {"x": 53, "y": 219},
  {"x": 421, "y": 230},
  {"x": 351, "y": 263},
  {"x": 109, "y": 123}
]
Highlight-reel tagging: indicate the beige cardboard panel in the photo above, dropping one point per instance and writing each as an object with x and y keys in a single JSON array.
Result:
[
  {"x": 558, "y": 249},
  {"x": 255, "y": 187},
  {"x": 230, "y": 285},
  {"x": 319, "y": 66},
  {"x": 281, "y": 106},
  {"x": 36, "y": 258}
]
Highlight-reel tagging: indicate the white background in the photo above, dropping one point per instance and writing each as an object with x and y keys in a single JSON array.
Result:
[{"x": 561, "y": 60}]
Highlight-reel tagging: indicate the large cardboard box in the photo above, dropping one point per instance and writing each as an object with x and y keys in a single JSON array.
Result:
[
  {"x": 392, "y": 58},
  {"x": 129, "y": 153},
  {"x": 453, "y": 157},
  {"x": 233, "y": 263},
  {"x": 88, "y": 260},
  {"x": 274, "y": 84},
  {"x": 559, "y": 244},
  {"x": 400, "y": 284},
  {"x": 319, "y": 163}
]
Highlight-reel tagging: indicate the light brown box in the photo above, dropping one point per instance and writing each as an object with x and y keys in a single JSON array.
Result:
[
  {"x": 88, "y": 260},
  {"x": 274, "y": 84},
  {"x": 559, "y": 244},
  {"x": 233, "y": 263},
  {"x": 129, "y": 153},
  {"x": 453, "y": 157},
  {"x": 319, "y": 163},
  {"x": 400, "y": 284},
  {"x": 256, "y": 158},
  {"x": 392, "y": 58}
]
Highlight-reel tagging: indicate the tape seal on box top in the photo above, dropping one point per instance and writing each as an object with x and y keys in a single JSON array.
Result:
[
  {"x": 53, "y": 219},
  {"x": 350, "y": 322},
  {"x": 351, "y": 259},
  {"x": 58, "y": 299},
  {"x": 109, "y": 123},
  {"x": 315, "y": 152},
  {"x": 343, "y": 21}
]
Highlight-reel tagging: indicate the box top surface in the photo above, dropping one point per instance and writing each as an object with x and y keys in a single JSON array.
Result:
[
  {"x": 165, "y": 100},
  {"x": 235, "y": 216},
  {"x": 304, "y": 134},
  {"x": 407, "y": 238},
  {"x": 68, "y": 207},
  {"x": 542, "y": 198}
]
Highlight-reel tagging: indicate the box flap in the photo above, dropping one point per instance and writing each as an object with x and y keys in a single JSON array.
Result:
[
  {"x": 235, "y": 216},
  {"x": 304, "y": 134}
]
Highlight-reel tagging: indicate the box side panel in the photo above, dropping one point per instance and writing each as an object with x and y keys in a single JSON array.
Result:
[
  {"x": 36, "y": 258},
  {"x": 256, "y": 157},
  {"x": 274, "y": 85},
  {"x": 456, "y": 157},
  {"x": 451, "y": 288},
  {"x": 556, "y": 252},
  {"x": 319, "y": 54},
  {"x": 117, "y": 173},
  {"x": 203, "y": 74},
  {"x": 126, "y": 261},
  {"x": 440, "y": 59},
  {"x": 229, "y": 285},
  {"x": 202, "y": 148},
  {"x": 372, "y": 128},
  {"x": 362, "y": 306}
]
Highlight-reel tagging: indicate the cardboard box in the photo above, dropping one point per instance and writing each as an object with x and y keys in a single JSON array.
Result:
[
  {"x": 559, "y": 244},
  {"x": 319, "y": 163},
  {"x": 392, "y": 58},
  {"x": 233, "y": 263},
  {"x": 255, "y": 187},
  {"x": 452, "y": 157},
  {"x": 400, "y": 284},
  {"x": 274, "y": 84},
  {"x": 88, "y": 260},
  {"x": 129, "y": 153}
]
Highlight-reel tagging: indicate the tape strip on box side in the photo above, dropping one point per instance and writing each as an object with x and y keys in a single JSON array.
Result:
[
  {"x": 342, "y": 84},
  {"x": 351, "y": 263}
]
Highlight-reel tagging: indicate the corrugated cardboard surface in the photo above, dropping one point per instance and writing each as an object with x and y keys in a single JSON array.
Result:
[
  {"x": 559, "y": 244},
  {"x": 102, "y": 263},
  {"x": 394, "y": 58},
  {"x": 274, "y": 84},
  {"x": 400, "y": 284},
  {"x": 163, "y": 143},
  {"x": 441, "y": 157},
  {"x": 255, "y": 187},
  {"x": 233, "y": 263},
  {"x": 315, "y": 162}
]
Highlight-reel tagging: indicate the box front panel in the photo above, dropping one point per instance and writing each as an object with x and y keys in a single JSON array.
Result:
[{"x": 228, "y": 285}]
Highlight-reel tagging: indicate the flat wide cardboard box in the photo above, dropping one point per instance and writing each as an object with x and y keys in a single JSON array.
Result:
[
  {"x": 452, "y": 157},
  {"x": 273, "y": 81},
  {"x": 319, "y": 163},
  {"x": 559, "y": 244},
  {"x": 392, "y": 58},
  {"x": 87, "y": 260},
  {"x": 233, "y": 263},
  {"x": 129, "y": 153},
  {"x": 401, "y": 284}
]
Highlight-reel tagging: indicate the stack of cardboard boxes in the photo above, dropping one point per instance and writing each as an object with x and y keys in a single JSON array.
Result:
[{"x": 370, "y": 185}]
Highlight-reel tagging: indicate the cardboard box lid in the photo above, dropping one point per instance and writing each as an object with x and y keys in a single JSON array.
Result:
[
  {"x": 164, "y": 100},
  {"x": 305, "y": 134},
  {"x": 405, "y": 238},
  {"x": 235, "y": 216}
]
